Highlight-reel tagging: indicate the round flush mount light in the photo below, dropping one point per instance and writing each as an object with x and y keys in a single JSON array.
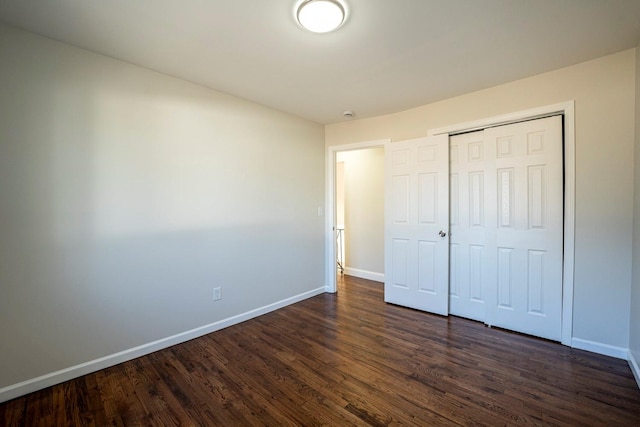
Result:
[{"x": 321, "y": 16}]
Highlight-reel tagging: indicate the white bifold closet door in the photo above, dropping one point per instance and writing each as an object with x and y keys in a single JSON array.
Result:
[
  {"x": 473, "y": 222},
  {"x": 527, "y": 293},
  {"x": 506, "y": 227}
]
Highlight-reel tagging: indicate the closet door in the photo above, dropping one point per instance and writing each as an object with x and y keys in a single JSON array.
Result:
[
  {"x": 503, "y": 259},
  {"x": 527, "y": 293},
  {"x": 472, "y": 193},
  {"x": 416, "y": 224}
]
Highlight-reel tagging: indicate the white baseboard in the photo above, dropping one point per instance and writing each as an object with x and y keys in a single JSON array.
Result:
[
  {"x": 600, "y": 348},
  {"x": 364, "y": 274},
  {"x": 635, "y": 368},
  {"x": 47, "y": 380}
]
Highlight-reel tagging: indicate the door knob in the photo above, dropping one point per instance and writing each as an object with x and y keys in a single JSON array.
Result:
[{"x": 442, "y": 233}]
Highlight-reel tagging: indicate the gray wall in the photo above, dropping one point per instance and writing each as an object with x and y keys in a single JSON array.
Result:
[{"x": 127, "y": 195}]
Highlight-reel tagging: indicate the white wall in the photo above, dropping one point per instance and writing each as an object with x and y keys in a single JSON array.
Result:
[
  {"x": 127, "y": 195},
  {"x": 604, "y": 93},
  {"x": 364, "y": 212},
  {"x": 634, "y": 333}
]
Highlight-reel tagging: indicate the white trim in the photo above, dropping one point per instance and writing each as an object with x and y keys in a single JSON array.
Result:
[
  {"x": 600, "y": 348},
  {"x": 635, "y": 368},
  {"x": 518, "y": 116},
  {"x": 364, "y": 274},
  {"x": 330, "y": 210},
  {"x": 47, "y": 380},
  {"x": 569, "y": 221}
]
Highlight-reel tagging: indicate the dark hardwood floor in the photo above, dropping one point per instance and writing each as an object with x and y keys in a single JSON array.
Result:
[{"x": 348, "y": 359}]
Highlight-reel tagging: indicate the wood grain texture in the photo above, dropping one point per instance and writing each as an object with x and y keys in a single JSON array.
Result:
[{"x": 346, "y": 359}]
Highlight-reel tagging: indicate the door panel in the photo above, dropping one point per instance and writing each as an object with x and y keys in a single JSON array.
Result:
[
  {"x": 472, "y": 204},
  {"x": 416, "y": 210},
  {"x": 527, "y": 297}
]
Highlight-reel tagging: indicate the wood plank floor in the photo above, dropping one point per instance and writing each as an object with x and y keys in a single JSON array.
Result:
[{"x": 348, "y": 359}]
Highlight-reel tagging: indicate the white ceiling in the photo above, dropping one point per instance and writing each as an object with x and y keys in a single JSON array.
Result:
[{"x": 390, "y": 55}]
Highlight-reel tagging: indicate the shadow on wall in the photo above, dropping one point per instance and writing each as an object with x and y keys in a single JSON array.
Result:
[{"x": 129, "y": 195}]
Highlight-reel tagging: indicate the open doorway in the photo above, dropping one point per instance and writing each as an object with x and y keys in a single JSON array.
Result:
[
  {"x": 355, "y": 212},
  {"x": 360, "y": 213}
]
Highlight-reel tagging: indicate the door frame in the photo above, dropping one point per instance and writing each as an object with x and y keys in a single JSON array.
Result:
[
  {"x": 567, "y": 109},
  {"x": 330, "y": 206}
]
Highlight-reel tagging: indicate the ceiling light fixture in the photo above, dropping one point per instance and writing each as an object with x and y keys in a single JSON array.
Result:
[{"x": 321, "y": 16}]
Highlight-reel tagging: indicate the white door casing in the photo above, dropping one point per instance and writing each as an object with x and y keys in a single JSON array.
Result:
[{"x": 416, "y": 224}]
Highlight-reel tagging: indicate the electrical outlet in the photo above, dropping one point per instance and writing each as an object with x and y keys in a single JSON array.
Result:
[{"x": 217, "y": 294}]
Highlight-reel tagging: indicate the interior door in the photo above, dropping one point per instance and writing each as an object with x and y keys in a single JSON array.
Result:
[
  {"x": 527, "y": 293},
  {"x": 416, "y": 224}
]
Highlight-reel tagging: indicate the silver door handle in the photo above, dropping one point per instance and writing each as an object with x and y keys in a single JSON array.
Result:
[{"x": 442, "y": 233}]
